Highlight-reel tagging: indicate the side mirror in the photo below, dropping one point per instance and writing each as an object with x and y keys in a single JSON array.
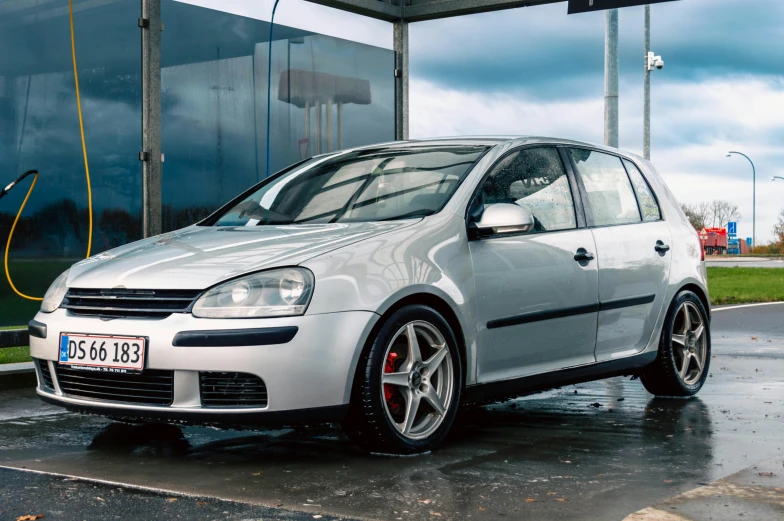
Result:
[{"x": 503, "y": 218}]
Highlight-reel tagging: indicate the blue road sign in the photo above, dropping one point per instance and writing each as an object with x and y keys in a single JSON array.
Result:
[
  {"x": 748, "y": 241},
  {"x": 732, "y": 228}
]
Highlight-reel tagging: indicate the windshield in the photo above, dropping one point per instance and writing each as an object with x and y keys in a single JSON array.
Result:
[{"x": 368, "y": 185}]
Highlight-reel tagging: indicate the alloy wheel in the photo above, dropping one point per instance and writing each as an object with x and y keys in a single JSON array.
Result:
[
  {"x": 417, "y": 380},
  {"x": 689, "y": 343}
]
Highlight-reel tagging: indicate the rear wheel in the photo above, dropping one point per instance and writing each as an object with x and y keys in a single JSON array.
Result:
[
  {"x": 684, "y": 350},
  {"x": 408, "y": 384}
]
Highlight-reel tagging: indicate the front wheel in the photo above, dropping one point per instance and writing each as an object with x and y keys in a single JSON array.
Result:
[
  {"x": 684, "y": 350},
  {"x": 408, "y": 385}
]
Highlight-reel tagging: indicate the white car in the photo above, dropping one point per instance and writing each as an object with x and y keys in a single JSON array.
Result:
[{"x": 383, "y": 287}]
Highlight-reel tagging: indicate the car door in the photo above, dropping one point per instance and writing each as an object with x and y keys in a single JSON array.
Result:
[
  {"x": 632, "y": 245},
  {"x": 536, "y": 305}
]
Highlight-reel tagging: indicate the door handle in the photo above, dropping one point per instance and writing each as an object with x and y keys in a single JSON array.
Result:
[
  {"x": 583, "y": 255},
  {"x": 661, "y": 247}
]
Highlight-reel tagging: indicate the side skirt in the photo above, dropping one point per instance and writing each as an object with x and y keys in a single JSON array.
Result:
[{"x": 488, "y": 392}]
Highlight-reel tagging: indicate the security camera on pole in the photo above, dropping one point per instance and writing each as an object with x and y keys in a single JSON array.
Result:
[{"x": 651, "y": 62}]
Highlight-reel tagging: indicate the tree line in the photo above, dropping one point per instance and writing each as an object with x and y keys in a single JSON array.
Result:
[
  {"x": 716, "y": 214},
  {"x": 60, "y": 229}
]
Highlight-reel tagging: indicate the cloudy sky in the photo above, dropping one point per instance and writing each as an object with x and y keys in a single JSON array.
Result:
[{"x": 538, "y": 71}]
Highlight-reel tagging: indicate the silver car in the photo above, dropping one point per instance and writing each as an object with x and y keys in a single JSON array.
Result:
[{"x": 385, "y": 286}]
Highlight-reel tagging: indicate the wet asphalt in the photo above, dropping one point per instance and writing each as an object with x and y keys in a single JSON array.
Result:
[{"x": 593, "y": 451}]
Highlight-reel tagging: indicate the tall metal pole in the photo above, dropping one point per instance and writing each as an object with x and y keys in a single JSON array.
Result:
[
  {"x": 151, "y": 118},
  {"x": 269, "y": 87},
  {"x": 646, "y": 126},
  {"x": 754, "y": 200},
  {"x": 611, "y": 78},
  {"x": 400, "y": 44}
]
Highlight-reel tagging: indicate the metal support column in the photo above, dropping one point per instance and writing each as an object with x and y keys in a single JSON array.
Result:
[
  {"x": 151, "y": 117},
  {"x": 646, "y": 126},
  {"x": 611, "y": 78},
  {"x": 328, "y": 123},
  {"x": 308, "y": 152},
  {"x": 340, "y": 125},
  {"x": 317, "y": 108},
  {"x": 400, "y": 44}
]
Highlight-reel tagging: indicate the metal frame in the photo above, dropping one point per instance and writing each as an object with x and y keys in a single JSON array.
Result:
[
  {"x": 14, "y": 338},
  {"x": 150, "y": 156},
  {"x": 422, "y": 10}
]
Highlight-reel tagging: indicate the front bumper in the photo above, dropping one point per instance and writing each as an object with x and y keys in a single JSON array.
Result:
[{"x": 307, "y": 378}]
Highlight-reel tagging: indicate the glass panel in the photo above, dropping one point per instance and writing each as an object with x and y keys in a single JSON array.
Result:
[
  {"x": 326, "y": 94},
  {"x": 361, "y": 186},
  {"x": 39, "y": 129},
  {"x": 648, "y": 205},
  {"x": 610, "y": 195},
  {"x": 535, "y": 179}
]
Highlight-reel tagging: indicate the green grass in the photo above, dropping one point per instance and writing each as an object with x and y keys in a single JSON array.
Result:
[
  {"x": 745, "y": 285},
  {"x": 12, "y": 355}
]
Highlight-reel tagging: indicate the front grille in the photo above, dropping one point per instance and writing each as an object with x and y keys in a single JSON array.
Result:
[
  {"x": 46, "y": 376},
  {"x": 151, "y": 387},
  {"x": 145, "y": 303},
  {"x": 232, "y": 390}
]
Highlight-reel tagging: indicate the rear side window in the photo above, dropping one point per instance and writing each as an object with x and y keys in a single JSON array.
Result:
[
  {"x": 648, "y": 206},
  {"x": 610, "y": 195},
  {"x": 533, "y": 178}
]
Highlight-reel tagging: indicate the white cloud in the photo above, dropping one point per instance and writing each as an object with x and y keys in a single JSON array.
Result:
[
  {"x": 436, "y": 111},
  {"x": 742, "y": 113}
]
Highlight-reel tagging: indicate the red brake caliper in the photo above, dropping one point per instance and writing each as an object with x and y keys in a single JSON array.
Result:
[{"x": 391, "y": 396}]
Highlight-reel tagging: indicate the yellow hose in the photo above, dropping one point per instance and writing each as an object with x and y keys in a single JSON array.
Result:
[
  {"x": 8, "y": 244},
  {"x": 35, "y": 179}
]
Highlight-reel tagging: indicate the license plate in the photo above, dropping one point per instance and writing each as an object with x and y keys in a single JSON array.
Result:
[{"x": 106, "y": 353}]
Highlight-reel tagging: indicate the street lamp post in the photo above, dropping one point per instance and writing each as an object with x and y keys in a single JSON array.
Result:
[
  {"x": 776, "y": 177},
  {"x": 754, "y": 200}
]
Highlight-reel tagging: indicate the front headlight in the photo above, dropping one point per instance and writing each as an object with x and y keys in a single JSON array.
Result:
[
  {"x": 276, "y": 293},
  {"x": 54, "y": 295}
]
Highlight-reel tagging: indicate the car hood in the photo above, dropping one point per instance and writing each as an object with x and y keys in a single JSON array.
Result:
[{"x": 198, "y": 257}]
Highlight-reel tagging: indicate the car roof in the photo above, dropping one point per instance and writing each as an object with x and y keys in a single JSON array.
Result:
[{"x": 493, "y": 141}]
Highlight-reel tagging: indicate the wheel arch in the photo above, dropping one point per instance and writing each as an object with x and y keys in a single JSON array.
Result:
[
  {"x": 432, "y": 300},
  {"x": 700, "y": 292}
]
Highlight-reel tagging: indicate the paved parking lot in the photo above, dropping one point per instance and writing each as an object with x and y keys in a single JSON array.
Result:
[{"x": 594, "y": 451}]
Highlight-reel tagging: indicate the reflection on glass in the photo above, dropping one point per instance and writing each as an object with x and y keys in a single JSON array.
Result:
[
  {"x": 648, "y": 205},
  {"x": 327, "y": 94},
  {"x": 610, "y": 194},
  {"x": 39, "y": 129},
  {"x": 368, "y": 185},
  {"x": 535, "y": 179}
]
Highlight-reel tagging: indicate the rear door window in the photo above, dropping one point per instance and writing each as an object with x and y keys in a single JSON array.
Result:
[
  {"x": 648, "y": 205},
  {"x": 611, "y": 199}
]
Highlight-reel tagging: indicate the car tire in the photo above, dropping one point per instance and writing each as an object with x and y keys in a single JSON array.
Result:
[
  {"x": 682, "y": 364},
  {"x": 379, "y": 418}
]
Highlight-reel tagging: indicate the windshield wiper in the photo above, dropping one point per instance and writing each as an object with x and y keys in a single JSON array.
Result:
[{"x": 414, "y": 213}]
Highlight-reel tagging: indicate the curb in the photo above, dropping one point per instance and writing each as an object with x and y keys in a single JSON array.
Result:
[
  {"x": 753, "y": 493},
  {"x": 18, "y": 368},
  {"x": 740, "y": 306},
  {"x": 16, "y": 376}
]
